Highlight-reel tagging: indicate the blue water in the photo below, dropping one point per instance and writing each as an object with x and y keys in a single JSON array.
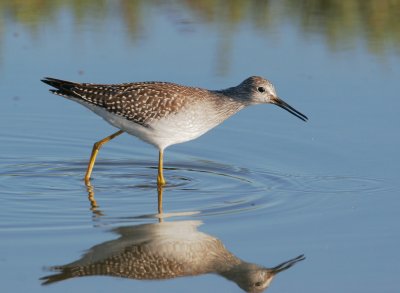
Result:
[{"x": 268, "y": 185}]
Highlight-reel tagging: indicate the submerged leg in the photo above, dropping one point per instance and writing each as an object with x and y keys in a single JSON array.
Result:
[
  {"x": 160, "y": 198},
  {"x": 95, "y": 150},
  {"x": 160, "y": 177}
]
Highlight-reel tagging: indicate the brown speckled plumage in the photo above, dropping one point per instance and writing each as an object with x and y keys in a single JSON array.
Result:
[
  {"x": 134, "y": 262},
  {"x": 164, "y": 251},
  {"x": 141, "y": 102}
]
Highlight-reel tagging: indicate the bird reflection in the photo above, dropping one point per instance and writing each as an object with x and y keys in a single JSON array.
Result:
[{"x": 167, "y": 250}]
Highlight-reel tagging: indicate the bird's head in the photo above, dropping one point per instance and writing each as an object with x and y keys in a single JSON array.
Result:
[
  {"x": 253, "y": 278},
  {"x": 258, "y": 90}
]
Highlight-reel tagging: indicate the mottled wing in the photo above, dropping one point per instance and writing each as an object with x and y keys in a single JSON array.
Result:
[
  {"x": 148, "y": 101},
  {"x": 141, "y": 102},
  {"x": 95, "y": 94},
  {"x": 133, "y": 262}
]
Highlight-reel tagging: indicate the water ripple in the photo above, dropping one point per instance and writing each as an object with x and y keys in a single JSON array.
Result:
[{"x": 48, "y": 190}]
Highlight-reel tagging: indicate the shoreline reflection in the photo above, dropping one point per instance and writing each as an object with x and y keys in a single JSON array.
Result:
[{"x": 341, "y": 24}]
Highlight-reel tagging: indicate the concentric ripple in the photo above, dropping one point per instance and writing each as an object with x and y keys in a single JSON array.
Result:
[{"x": 127, "y": 190}]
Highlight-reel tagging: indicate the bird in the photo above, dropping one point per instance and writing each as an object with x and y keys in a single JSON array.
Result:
[
  {"x": 164, "y": 113},
  {"x": 166, "y": 250}
]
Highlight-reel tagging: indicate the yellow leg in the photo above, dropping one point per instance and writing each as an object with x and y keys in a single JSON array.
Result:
[
  {"x": 94, "y": 207},
  {"x": 95, "y": 151},
  {"x": 160, "y": 178},
  {"x": 160, "y": 197}
]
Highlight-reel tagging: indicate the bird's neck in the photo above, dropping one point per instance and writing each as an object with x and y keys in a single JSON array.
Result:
[
  {"x": 240, "y": 273},
  {"x": 225, "y": 263},
  {"x": 227, "y": 104},
  {"x": 235, "y": 95}
]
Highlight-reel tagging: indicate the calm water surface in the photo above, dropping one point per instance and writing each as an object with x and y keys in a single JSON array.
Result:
[{"x": 267, "y": 185}]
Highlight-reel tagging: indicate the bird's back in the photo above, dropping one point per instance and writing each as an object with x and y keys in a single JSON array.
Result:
[{"x": 140, "y": 102}]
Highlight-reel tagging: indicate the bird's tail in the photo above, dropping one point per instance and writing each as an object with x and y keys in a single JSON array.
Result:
[
  {"x": 63, "y": 274},
  {"x": 63, "y": 87}
]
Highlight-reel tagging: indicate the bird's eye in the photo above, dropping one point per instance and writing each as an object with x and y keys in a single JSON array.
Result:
[
  {"x": 258, "y": 284},
  {"x": 261, "y": 89}
]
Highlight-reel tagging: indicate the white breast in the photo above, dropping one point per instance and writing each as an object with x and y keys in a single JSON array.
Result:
[{"x": 188, "y": 124}]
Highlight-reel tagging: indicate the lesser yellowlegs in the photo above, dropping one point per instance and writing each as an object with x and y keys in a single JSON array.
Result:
[
  {"x": 163, "y": 113},
  {"x": 168, "y": 250}
]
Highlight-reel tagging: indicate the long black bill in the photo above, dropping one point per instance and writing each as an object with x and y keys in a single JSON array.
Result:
[
  {"x": 287, "y": 264},
  {"x": 277, "y": 101}
]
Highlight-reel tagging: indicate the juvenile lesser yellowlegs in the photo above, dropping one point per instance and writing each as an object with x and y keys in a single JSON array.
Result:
[
  {"x": 163, "y": 113},
  {"x": 164, "y": 251}
]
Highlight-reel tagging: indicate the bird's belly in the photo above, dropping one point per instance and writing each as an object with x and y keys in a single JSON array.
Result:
[
  {"x": 186, "y": 125},
  {"x": 175, "y": 128}
]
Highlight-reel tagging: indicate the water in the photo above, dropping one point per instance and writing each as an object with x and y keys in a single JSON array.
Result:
[{"x": 267, "y": 185}]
